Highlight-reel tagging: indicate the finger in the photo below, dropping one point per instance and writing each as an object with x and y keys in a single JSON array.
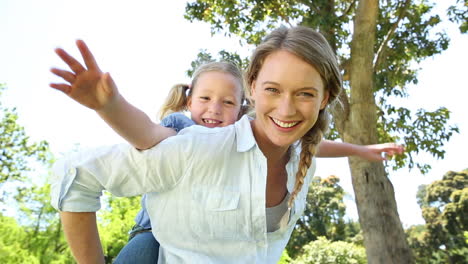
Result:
[
  {"x": 74, "y": 65},
  {"x": 383, "y": 156},
  {"x": 66, "y": 75},
  {"x": 109, "y": 83},
  {"x": 88, "y": 57},
  {"x": 65, "y": 88}
]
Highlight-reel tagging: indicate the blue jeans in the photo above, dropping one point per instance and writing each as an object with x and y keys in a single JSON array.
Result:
[{"x": 142, "y": 248}]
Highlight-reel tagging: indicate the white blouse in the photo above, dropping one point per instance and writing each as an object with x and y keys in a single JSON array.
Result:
[{"x": 206, "y": 193}]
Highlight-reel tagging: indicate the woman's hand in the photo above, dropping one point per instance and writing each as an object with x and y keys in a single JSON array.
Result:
[{"x": 86, "y": 85}]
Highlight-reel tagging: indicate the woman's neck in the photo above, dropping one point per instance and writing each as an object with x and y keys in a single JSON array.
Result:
[{"x": 272, "y": 152}]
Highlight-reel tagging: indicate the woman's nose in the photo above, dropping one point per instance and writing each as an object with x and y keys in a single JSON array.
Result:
[{"x": 286, "y": 106}]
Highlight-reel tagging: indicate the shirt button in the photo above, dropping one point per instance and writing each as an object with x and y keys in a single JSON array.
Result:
[{"x": 71, "y": 171}]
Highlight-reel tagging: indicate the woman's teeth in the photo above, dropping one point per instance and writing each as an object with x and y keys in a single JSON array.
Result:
[{"x": 283, "y": 124}]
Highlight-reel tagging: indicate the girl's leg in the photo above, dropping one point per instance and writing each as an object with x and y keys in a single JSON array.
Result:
[{"x": 143, "y": 248}]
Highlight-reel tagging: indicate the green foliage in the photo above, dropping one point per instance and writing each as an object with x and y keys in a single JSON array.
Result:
[
  {"x": 444, "y": 204},
  {"x": 406, "y": 33},
  {"x": 16, "y": 150},
  {"x": 458, "y": 13},
  {"x": 426, "y": 130},
  {"x": 284, "y": 258},
  {"x": 115, "y": 221},
  {"x": 39, "y": 238},
  {"x": 204, "y": 57},
  {"x": 323, "y": 215},
  {"x": 12, "y": 249},
  {"x": 323, "y": 251}
]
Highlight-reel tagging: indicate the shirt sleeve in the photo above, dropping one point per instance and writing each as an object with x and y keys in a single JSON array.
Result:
[
  {"x": 79, "y": 179},
  {"x": 177, "y": 121}
]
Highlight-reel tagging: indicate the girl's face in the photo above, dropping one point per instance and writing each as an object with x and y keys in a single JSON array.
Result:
[
  {"x": 288, "y": 95},
  {"x": 216, "y": 99}
]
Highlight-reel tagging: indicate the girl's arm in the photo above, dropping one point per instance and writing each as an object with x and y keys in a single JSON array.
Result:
[
  {"x": 82, "y": 236},
  {"x": 96, "y": 90},
  {"x": 332, "y": 149}
]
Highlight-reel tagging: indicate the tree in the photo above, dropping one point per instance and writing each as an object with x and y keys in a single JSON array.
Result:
[
  {"x": 323, "y": 215},
  {"x": 444, "y": 204},
  {"x": 323, "y": 251},
  {"x": 115, "y": 221},
  {"x": 377, "y": 43},
  {"x": 40, "y": 221},
  {"x": 11, "y": 243},
  {"x": 37, "y": 236},
  {"x": 16, "y": 150}
]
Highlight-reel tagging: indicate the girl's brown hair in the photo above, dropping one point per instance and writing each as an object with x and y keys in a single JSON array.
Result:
[
  {"x": 314, "y": 49},
  {"x": 176, "y": 100}
]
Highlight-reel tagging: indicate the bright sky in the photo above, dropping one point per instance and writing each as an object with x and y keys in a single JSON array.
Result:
[{"x": 147, "y": 47}]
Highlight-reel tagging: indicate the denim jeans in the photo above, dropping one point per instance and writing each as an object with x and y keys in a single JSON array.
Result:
[{"x": 142, "y": 248}]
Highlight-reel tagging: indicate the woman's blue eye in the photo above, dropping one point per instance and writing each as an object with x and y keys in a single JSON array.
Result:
[
  {"x": 305, "y": 94},
  {"x": 273, "y": 90}
]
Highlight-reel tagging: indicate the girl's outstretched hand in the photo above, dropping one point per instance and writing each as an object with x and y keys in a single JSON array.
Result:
[
  {"x": 380, "y": 152},
  {"x": 86, "y": 85}
]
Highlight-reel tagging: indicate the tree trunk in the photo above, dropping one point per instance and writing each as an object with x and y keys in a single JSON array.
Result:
[{"x": 384, "y": 237}]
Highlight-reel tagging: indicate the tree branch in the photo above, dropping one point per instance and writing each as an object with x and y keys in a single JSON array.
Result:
[
  {"x": 307, "y": 230},
  {"x": 383, "y": 47},
  {"x": 350, "y": 7}
]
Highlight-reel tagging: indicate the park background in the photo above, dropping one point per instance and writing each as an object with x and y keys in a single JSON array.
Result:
[{"x": 148, "y": 46}]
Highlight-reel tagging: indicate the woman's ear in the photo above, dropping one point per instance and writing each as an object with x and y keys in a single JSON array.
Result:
[
  {"x": 189, "y": 103},
  {"x": 325, "y": 100},
  {"x": 251, "y": 95}
]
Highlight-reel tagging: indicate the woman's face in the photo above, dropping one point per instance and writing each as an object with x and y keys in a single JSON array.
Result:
[{"x": 288, "y": 94}]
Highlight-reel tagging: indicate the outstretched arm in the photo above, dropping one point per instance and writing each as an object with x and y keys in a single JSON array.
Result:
[
  {"x": 96, "y": 90},
  {"x": 82, "y": 236},
  {"x": 375, "y": 152}
]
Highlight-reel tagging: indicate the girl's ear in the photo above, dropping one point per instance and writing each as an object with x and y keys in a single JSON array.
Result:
[{"x": 325, "y": 100}]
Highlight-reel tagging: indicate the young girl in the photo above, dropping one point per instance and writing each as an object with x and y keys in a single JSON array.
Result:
[{"x": 109, "y": 104}]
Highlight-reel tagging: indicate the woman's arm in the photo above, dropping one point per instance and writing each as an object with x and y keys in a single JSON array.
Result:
[
  {"x": 82, "y": 236},
  {"x": 331, "y": 149},
  {"x": 96, "y": 90},
  {"x": 78, "y": 180}
]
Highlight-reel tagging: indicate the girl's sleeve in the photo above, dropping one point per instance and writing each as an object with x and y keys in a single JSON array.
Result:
[
  {"x": 177, "y": 121},
  {"x": 79, "y": 179}
]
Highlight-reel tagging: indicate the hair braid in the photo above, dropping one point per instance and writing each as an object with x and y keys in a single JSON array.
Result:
[{"x": 309, "y": 144}]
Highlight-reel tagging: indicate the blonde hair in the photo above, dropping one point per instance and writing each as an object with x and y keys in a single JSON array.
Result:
[
  {"x": 314, "y": 49},
  {"x": 176, "y": 100}
]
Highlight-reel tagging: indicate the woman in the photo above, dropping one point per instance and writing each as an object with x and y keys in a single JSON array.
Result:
[{"x": 226, "y": 195}]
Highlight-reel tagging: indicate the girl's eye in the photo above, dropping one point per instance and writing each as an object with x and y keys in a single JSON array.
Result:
[
  {"x": 229, "y": 102},
  {"x": 204, "y": 98}
]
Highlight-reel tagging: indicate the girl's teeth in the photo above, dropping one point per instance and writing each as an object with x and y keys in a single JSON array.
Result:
[
  {"x": 283, "y": 124},
  {"x": 210, "y": 121}
]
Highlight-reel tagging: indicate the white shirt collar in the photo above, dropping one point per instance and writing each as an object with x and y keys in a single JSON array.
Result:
[{"x": 244, "y": 134}]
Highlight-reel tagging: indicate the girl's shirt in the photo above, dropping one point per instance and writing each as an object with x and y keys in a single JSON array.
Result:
[{"x": 206, "y": 193}]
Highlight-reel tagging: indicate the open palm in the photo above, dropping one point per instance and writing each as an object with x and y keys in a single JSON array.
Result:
[{"x": 86, "y": 85}]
